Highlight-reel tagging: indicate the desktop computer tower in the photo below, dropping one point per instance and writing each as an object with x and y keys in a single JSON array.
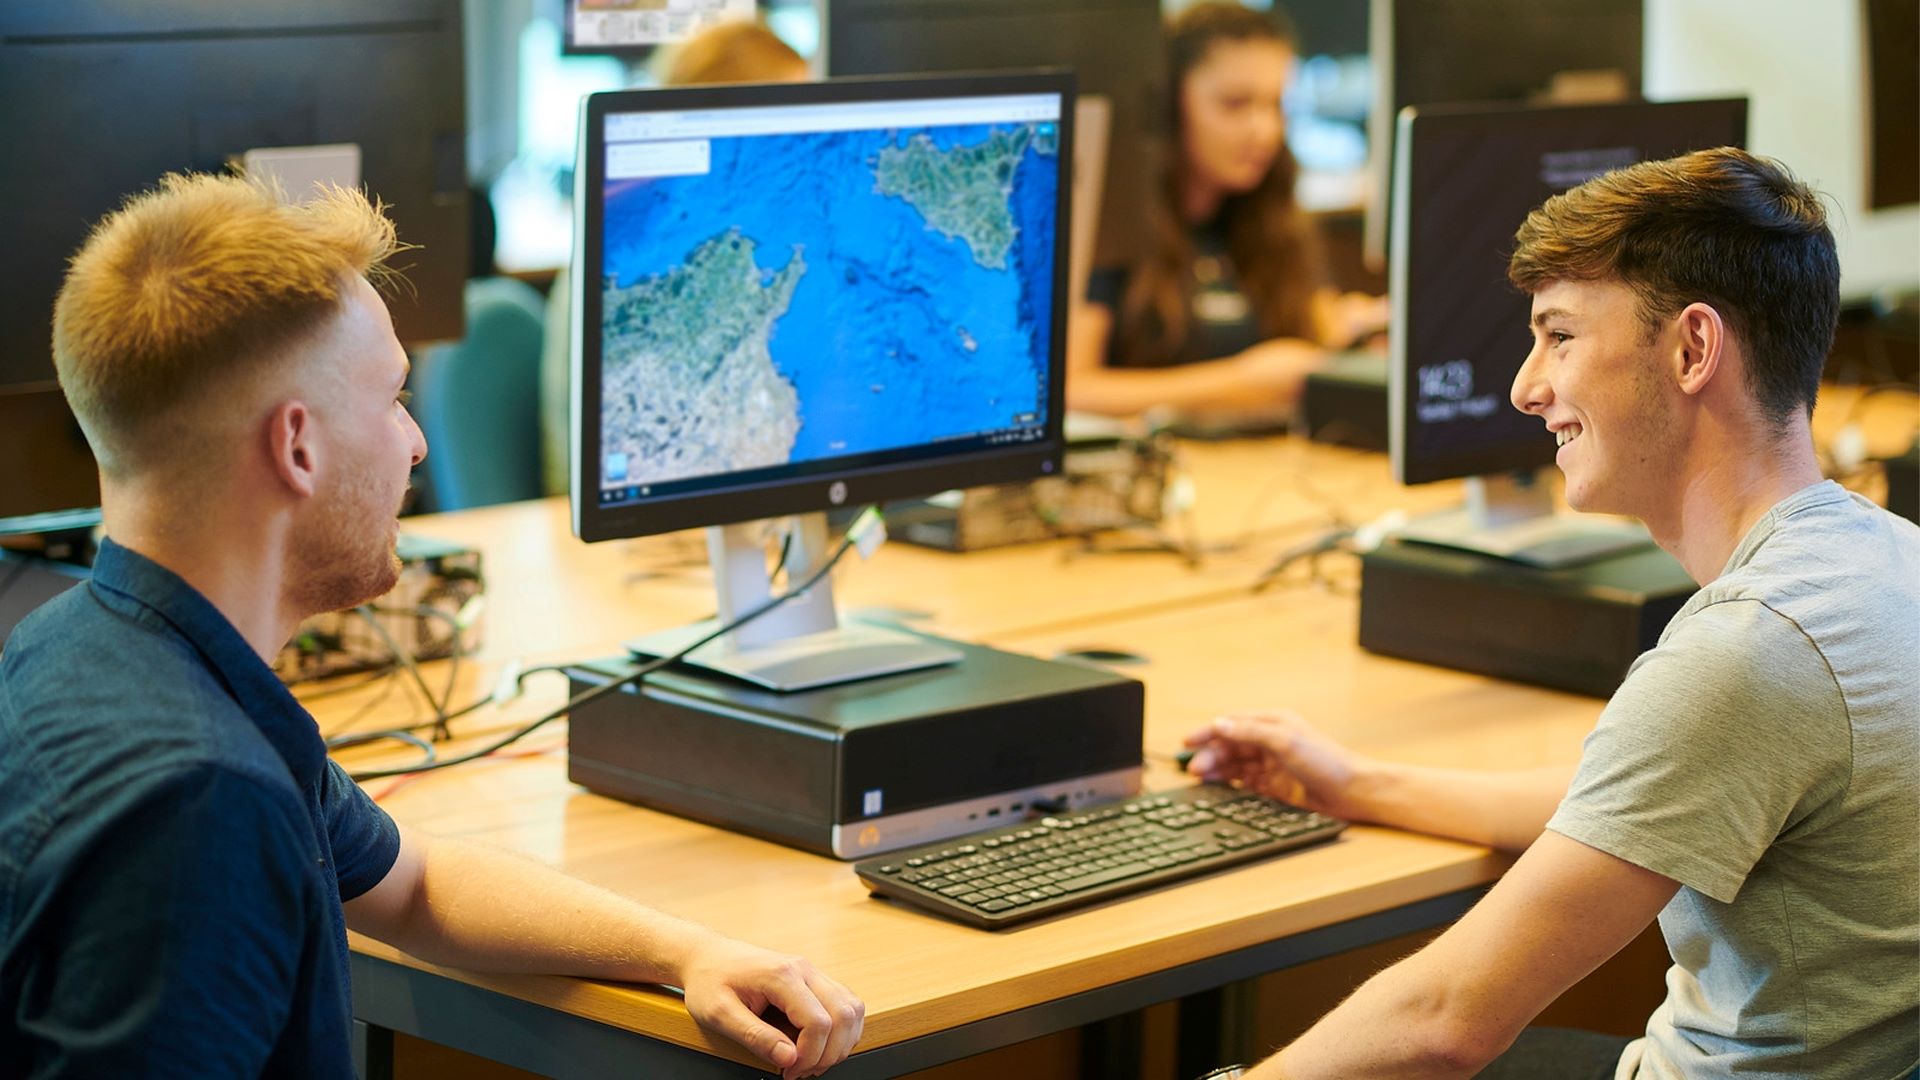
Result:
[
  {"x": 1577, "y": 628},
  {"x": 1345, "y": 402},
  {"x": 862, "y": 768}
]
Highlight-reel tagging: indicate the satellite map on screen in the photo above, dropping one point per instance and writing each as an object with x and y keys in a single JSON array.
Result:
[{"x": 800, "y": 297}]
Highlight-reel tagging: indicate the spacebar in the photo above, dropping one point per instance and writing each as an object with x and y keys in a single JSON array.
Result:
[{"x": 1101, "y": 877}]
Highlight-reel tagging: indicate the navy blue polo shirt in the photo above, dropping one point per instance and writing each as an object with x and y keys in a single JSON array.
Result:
[{"x": 174, "y": 845}]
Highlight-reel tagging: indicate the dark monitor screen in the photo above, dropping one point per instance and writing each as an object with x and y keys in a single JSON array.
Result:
[
  {"x": 1432, "y": 52},
  {"x": 102, "y": 97},
  {"x": 1467, "y": 177},
  {"x": 1114, "y": 47},
  {"x": 1892, "y": 40},
  {"x": 792, "y": 297}
]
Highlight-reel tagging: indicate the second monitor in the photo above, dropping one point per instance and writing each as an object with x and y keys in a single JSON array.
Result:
[{"x": 1465, "y": 178}]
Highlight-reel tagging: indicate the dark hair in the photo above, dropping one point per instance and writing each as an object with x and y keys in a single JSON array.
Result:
[
  {"x": 1274, "y": 249},
  {"x": 1721, "y": 226}
]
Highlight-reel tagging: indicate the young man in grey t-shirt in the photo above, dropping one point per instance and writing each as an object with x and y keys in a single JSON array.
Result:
[{"x": 1755, "y": 783}]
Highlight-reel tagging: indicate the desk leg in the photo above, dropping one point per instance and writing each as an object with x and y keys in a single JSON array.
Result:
[
  {"x": 1203, "y": 1039},
  {"x": 372, "y": 1051},
  {"x": 1112, "y": 1049},
  {"x": 1216, "y": 1028}
]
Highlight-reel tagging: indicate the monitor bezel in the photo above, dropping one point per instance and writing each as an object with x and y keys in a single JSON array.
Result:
[{"x": 850, "y": 484}]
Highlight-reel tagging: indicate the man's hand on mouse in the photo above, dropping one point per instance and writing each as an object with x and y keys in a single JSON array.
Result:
[
  {"x": 729, "y": 984},
  {"x": 1281, "y": 756}
]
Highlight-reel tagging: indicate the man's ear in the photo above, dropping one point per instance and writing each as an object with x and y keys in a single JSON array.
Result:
[
  {"x": 292, "y": 449},
  {"x": 1701, "y": 346}
]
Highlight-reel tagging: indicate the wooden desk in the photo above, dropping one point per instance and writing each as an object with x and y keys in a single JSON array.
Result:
[{"x": 937, "y": 991}]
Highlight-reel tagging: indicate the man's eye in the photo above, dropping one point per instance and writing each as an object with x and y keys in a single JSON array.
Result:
[{"x": 404, "y": 398}]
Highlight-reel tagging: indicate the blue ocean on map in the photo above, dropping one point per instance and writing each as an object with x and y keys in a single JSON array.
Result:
[{"x": 877, "y": 339}]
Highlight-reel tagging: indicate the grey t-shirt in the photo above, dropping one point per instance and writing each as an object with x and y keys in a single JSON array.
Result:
[{"x": 1766, "y": 755}]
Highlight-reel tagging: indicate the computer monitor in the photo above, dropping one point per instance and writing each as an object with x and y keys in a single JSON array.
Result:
[
  {"x": 1115, "y": 48},
  {"x": 102, "y": 98},
  {"x": 1466, "y": 177},
  {"x": 1432, "y": 52},
  {"x": 1890, "y": 38},
  {"x": 793, "y": 298}
]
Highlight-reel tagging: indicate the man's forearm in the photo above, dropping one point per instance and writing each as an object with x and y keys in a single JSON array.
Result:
[
  {"x": 1396, "y": 1025},
  {"x": 487, "y": 910},
  {"x": 1504, "y": 810}
]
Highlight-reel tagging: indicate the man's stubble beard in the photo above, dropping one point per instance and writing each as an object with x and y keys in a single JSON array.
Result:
[{"x": 345, "y": 556}]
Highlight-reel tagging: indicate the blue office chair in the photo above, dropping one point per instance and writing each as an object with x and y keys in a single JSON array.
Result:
[{"x": 477, "y": 400}]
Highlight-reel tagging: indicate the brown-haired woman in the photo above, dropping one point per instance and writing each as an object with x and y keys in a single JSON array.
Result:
[{"x": 1228, "y": 311}]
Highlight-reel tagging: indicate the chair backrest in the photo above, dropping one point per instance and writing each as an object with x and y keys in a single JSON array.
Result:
[{"x": 477, "y": 400}]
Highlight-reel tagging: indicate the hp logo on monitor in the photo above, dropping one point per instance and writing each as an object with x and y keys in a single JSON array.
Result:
[{"x": 837, "y": 492}]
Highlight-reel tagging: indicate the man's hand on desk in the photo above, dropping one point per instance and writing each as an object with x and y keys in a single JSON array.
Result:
[
  {"x": 1283, "y": 757},
  {"x": 729, "y": 984},
  {"x": 466, "y": 905}
]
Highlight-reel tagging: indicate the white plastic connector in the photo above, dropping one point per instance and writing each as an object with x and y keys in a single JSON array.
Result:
[
  {"x": 869, "y": 531},
  {"x": 1375, "y": 532},
  {"x": 507, "y": 687},
  {"x": 1849, "y": 449}
]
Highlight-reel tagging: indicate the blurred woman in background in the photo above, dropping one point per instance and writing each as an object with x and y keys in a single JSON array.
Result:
[{"x": 1229, "y": 309}]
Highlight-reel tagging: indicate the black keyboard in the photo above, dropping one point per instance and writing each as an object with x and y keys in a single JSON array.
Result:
[{"x": 1040, "y": 867}]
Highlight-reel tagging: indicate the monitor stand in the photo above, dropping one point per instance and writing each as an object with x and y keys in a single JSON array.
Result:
[
  {"x": 801, "y": 644},
  {"x": 1511, "y": 516}
]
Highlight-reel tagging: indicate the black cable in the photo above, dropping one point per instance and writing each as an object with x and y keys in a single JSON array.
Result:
[
  {"x": 1334, "y": 539},
  {"x": 397, "y": 734},
  {"x": 367, "y": 678},
  {"x": 353, "y": 738},
  {"x": 634, "y": 676},
  {"x": 404, "y": 658},
  {"x": 442, "y": 714}
]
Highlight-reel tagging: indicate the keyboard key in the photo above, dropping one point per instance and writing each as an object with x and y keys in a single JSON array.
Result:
[
  {"x": 1103, "y": 876},
  {"x": 995, "y": 906}
]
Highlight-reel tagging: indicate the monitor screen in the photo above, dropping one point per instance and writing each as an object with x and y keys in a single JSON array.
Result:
[
  {"x": 1466, "y": 178},
  {"x": 795, "y": 297}
]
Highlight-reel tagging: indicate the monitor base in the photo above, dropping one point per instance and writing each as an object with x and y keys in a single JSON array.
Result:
[
  {"x": 843, "y": 654},
  {"x": 1551, "y": 542}
]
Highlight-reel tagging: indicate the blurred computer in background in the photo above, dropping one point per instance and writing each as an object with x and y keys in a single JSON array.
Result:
[
  {"x": 1432, "y": 52},
  {"x": 102, "y": 98},
  {"x": 1112, "y": 46}
]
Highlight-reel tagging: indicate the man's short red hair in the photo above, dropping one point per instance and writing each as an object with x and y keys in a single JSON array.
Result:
[{"x": 193, "y": 286}]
